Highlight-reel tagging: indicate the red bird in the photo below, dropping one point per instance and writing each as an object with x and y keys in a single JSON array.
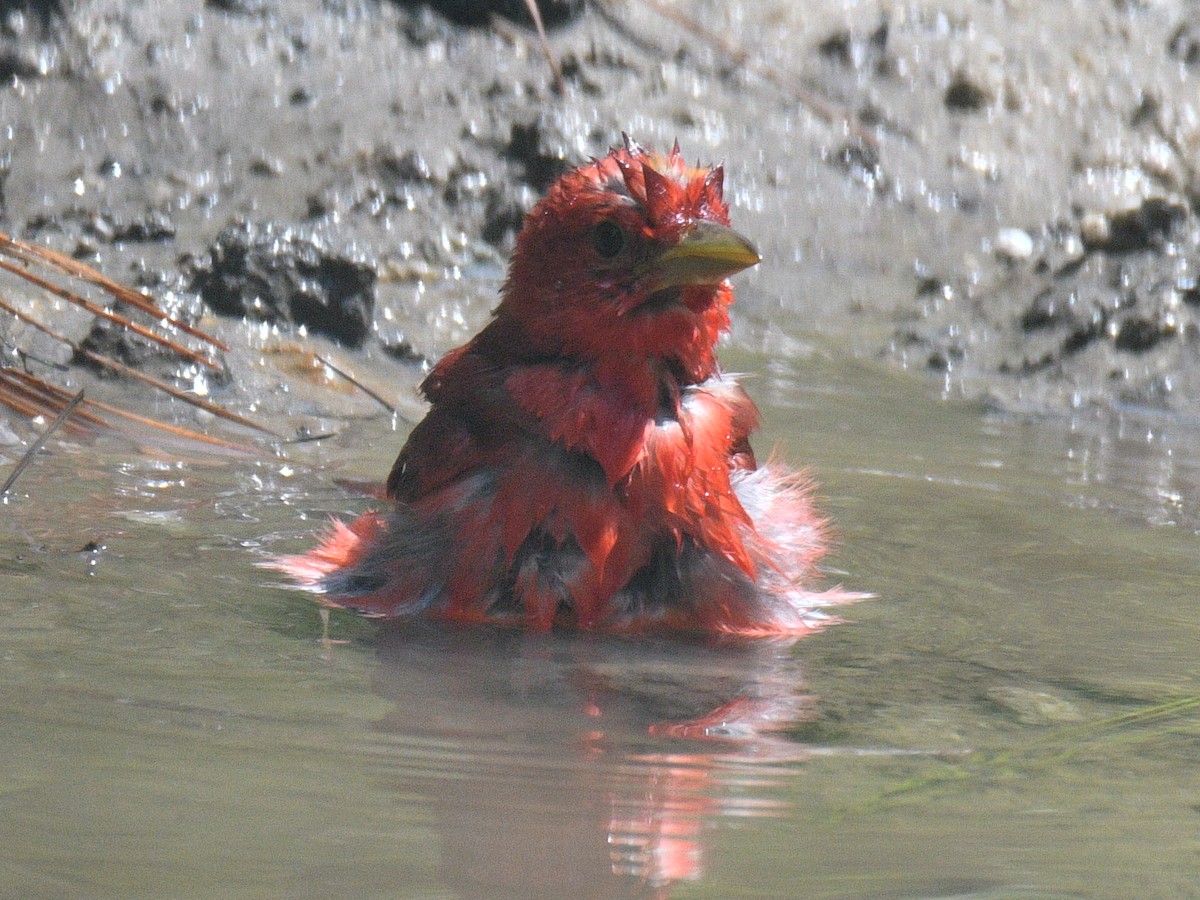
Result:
[{"x": 584, "y": 461}]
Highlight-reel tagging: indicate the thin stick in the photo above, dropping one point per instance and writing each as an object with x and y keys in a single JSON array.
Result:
[
  {"x": 137, "y": 299},
  {"x": 358, "y": 384},
  {"x": 175, "y": 392},
  {"x": 559, "y": 86},
  {"x": 41, "y": 442},
  {"x": 136, "y": 375},
  {"x": 103, "y": 313},
  {"x": 32, "y": 397},
  {"x": 176, "y": 430},
  {"x": 28, "y": 403},
  {"x": 51, "y": 394}
]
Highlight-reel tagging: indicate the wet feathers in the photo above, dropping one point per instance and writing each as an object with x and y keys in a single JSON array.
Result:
[{"x": 584, "y": 461}]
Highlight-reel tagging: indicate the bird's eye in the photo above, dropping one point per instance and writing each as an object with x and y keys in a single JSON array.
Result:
[{"x": 608, "y": 239}]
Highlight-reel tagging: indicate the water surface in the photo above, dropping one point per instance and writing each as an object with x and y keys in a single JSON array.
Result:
[{"x": 1015, "y": 715}]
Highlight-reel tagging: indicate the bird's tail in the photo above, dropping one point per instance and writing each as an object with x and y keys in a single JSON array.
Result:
[
  {"x": 788, "y": 539},
  {"x": 342, "y": 547}
]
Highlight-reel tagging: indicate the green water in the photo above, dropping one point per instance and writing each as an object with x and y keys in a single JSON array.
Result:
[{"x": 1013, "y": 716}]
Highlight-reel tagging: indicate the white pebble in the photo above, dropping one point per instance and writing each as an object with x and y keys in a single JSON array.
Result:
[{"x": 1014, "y": 243}]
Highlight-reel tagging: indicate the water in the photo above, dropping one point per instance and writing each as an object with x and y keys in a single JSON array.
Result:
[{"x": 1013, "y": 716}]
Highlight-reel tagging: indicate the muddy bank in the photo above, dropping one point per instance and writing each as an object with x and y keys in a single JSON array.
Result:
[{"x": 1011, "y": 205}]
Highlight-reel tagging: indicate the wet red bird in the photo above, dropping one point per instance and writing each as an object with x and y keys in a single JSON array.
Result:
[{"x": 584, "y": 461}]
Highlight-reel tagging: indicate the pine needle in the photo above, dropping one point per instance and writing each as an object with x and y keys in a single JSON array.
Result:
[
  {"x": 123, "y": 369},
  {"x": 516, "y": 37},
  {"x": 37, "y": 445},
  {"x": 31, "y": 396},
  {"x": 358, "y": 384},
  {"x": 35, "y": 254},
  {"x": 535, "y": 14},
  {"x": 123, "y": 321}
]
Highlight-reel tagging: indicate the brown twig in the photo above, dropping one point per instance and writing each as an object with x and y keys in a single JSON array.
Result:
[
  {"x": 198, "y": 402},
  {"x": 37, "y": 445},
  {"x": 33, "y": 253},
  {"x": 179, "y": 431},
  {"x": 535, "y": 14},
  {"x": 507, "y": 32},
  {"x": 33, "y": 397},
  {"x": 44, "y": 397},
  {"x": 123, "y": 369},
  {"x": 111, "y": 316},
  {"x": 27, "y": 394}
]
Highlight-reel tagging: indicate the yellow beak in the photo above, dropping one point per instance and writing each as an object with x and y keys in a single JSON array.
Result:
[{"x": 707, "y": 253}]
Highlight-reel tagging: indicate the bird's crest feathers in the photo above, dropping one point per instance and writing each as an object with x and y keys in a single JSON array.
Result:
[{"x": 669, "y": 190}]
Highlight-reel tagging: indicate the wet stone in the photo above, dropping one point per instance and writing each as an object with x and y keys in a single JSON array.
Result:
[
  {"x": 1082, "y": 335},
  {"x": 837, "y": 47},
  {"x": 1188, "y": 290},
  {"x": 151, "y": 226},
  {"x": 932, "y": 286},
  {"x": 857, "y": 52},
  {"x": 1139, "y": 334},
  {"x": 1143, "y": 227},
  {"x": 1053, "y": 308},
  {"x": 942, "y": 360},
  {"x": 539, "y": 151},
  {"x": 465, "y": 184},
  {"x": 504, "y": 213},
  {"x": 25, "y": 25},
  {"x": 861, "y": 163},
  {"x": 276, "y": 274},
  {"x": 1045, "y": 311},
  {"x": 1014, "y": 244},
  {"x": 405, "y": 166},
  {"x": 964, "y": 95},
  {"x": 402, "y": 350},
  {"x": 241, "y": 7},
  {"x": 113, "y": 341}
]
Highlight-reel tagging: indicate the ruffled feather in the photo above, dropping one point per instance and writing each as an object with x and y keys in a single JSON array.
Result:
[{"x": 583, "y": 461}]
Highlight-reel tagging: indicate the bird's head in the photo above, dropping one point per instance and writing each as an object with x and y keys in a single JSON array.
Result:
[{"x": 628, "y": 255}]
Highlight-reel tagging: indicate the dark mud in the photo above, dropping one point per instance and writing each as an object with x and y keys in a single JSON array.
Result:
[
  {"x": 1013, "y": 207},
  {"x": 265, "y": 273}
]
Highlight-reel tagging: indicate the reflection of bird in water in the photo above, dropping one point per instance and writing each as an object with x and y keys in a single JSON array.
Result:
[
  {"x": 568, "y": 765},
  {"x": 584, "y": 461}
]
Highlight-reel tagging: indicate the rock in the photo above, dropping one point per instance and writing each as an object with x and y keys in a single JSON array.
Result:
[
  {"x": 274, "y": 273},
  {"x": 1013, "y": 244},
  {"x": 1184, "y": 44},
  {"x": 1139, "y": 334},
  {"x": 540, "y": 150},
  {"x": 964, "y": 95},
  {"x": 151, "y": 226},
  {"x": 1035, "y": 707},
  {"x": 1141, "y": 227},
  {"x": 861, "y": 162}
]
